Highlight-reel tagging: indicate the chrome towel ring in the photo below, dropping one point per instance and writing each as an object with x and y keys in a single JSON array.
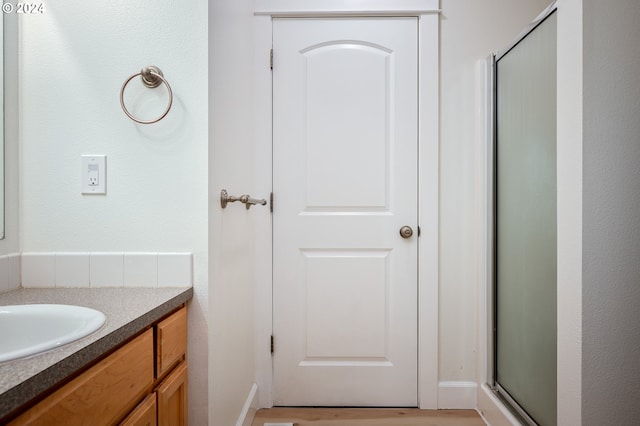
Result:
[{"x": 151, "y": 77}]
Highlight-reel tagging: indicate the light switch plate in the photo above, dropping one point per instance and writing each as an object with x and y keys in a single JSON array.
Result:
[{"x": 94, "y": 174}]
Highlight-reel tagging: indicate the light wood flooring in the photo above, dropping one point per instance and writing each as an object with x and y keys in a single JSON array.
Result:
[{"x": 368, "y": 417}]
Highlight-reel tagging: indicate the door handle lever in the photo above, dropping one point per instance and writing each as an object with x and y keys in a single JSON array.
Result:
[{"x": 225, "y": 199}]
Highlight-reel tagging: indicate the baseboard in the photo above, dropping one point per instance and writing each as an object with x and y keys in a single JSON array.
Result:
[
  {"x": 250, "y": 407},
  {"x": 493, "y": 410},
  {"x": 457, "y": 395}
]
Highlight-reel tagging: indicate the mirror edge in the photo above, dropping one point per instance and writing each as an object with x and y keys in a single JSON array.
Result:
[{"x": 9, "y": 177}]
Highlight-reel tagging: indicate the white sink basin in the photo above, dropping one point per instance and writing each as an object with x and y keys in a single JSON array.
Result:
[{"x": 30, "y": 329}]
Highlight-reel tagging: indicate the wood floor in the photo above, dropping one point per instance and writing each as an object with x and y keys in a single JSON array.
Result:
[{"x": 368, "y": 417}]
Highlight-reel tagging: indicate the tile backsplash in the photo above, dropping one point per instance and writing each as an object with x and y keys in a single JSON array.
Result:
[
  {"x": 9, "y": 272},
  {"x": 100, "y": 269}
]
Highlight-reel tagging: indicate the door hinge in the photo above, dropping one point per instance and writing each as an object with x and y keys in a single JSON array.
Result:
[
  {"x": 271, "y": 58},
  {"x": 272, "y": 344},
  {"x": 271, "y": 202}
]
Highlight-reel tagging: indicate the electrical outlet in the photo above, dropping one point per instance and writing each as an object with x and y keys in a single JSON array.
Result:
[{"x": 93, "y": 177}]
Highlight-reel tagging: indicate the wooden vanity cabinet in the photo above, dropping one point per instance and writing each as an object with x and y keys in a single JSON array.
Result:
[{"x": 142, "y": 383}]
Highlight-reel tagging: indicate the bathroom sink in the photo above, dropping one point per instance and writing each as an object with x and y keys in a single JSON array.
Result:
[{"x": 30, "y": 329}]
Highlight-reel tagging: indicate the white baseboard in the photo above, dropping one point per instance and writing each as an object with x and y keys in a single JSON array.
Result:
[
  {"x": 493, "y": 410},
  {"x": 457, "y": 395},
  {"x": 250, "y": 407}
]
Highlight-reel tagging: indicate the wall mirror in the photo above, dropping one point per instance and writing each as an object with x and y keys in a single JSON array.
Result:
[
  {"x": 9, "y": 134},
  {"x": 2, "y": 26}
]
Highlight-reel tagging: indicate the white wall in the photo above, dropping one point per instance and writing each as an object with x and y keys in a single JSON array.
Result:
[
  {"x": 598, "y": 212},
  {"x": 470, "y": 31},
  {"x": 569, "y": 181},
  {"x": 611, "y": 213},
  {"x": 231, "y": 99},
  {"x": 74, "y": 59}
]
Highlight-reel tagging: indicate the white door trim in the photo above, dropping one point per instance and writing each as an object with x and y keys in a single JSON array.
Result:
[
  {"x": 428, "y": 155},
  {"x": 281, "y": 8}
]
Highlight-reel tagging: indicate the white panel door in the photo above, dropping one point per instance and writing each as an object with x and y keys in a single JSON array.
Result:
[{"x": 345, "y": 182}]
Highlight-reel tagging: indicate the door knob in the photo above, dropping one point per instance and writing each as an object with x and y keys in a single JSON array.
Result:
[{"x": 406, "y": 232}]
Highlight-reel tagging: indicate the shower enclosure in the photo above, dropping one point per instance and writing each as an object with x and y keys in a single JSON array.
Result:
[{"x": 524, "y": 223}]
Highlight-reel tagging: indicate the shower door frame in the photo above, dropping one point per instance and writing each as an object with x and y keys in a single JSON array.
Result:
[{"x": 496, "y": 394}]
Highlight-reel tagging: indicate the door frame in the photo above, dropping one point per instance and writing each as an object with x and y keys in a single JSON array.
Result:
[{"x": 427, "y": 12}]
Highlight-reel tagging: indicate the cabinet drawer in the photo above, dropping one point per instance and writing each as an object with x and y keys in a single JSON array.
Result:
[
  {"x": 104, "y": 393},
  {"x": 171, "y": 341},
  {"x": 145, "y": 413}
]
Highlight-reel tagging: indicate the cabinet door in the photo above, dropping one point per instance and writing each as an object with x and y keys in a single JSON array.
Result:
[
  {"x": 172, "y": 341},
  {"x": 145, "y": 413},
  {"x": 172, "y": 398}
]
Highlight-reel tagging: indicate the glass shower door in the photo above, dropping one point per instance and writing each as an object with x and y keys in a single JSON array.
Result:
[{"x": 525, "y": 224}]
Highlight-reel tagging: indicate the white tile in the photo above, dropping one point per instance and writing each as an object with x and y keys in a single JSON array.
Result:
[
  {"x": 174, "y": 270},
  {"x": 14, "y": 271},
  {"x": 38, "y": 269},
  {"x": 72, "y": 269},
  {"x": 141, "y": 269},
  {"x": 106, "y": 269},
  {"x": 4, "y": 273}
]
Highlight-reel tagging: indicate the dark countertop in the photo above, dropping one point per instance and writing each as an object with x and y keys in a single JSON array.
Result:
[{"x": 128, "y": 311}]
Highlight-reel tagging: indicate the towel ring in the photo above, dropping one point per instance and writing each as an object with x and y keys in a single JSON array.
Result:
[{"x": 151, "y": 77}]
